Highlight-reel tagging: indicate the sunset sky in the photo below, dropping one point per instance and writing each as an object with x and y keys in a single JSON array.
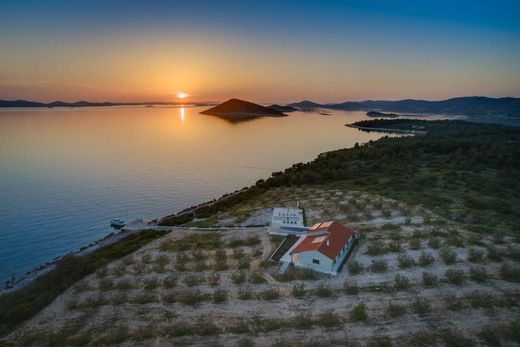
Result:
[{"x": 263, "y": 51}]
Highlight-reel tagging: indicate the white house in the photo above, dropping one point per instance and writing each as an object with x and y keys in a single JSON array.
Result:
[
  {"x": 323, "y": 248},
  {"x": 287, "y": 217}
]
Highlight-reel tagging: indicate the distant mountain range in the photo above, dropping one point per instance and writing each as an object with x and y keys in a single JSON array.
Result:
[
  {"x": 467, "y": 106},
  {"x": 25, "y": 103}
]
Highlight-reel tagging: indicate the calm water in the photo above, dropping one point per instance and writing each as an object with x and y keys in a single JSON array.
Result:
[{"x": 64, "y": 173}]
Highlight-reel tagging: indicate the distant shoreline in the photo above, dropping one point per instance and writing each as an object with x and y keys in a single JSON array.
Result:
[{"x": 61, "y": 104}]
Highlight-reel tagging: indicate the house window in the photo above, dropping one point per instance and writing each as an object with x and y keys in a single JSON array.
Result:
[{"x": 315, "y": 261}]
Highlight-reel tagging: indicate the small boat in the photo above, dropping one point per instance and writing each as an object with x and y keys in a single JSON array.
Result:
[{"x": 117, "y": 223}]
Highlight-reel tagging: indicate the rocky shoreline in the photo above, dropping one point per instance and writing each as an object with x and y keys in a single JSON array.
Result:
[{"x": 20, "y": 281}]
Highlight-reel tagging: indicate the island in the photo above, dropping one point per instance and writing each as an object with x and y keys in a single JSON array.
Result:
[
  {"x": 235, "y": 110},
  {"x": 281, "y": 108},
  {"x": 381, "y": 114}
]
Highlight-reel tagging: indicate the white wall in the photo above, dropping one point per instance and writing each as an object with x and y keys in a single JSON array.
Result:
[{"x": 304, "y": 260}]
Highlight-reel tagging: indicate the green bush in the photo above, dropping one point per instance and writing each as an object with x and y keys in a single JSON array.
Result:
[
  {"x": 434, "y": 243},
  {"x": 401, "y": 282},
  {"x": 355, "y": 268},
  {"x": 510, "y": 273},
  {"x": 493, "y": 254},
  {"x": 323, "y": 291},
  {"x": 328, "y": 319},
  {"x": 454, "y": 303},
  {"x": 448, "y": 256},
  {"x": 151, "y": 284},
  {"x": 359, "y": 313},
  {"x": 298, "y": 290},
  {"x": 429, "y": 279},
  {"x": 213, "y": 279},
  {"x": 478, "y": 274},
  {"x": 256, "y": 278},
  {"x": 455, "y": 276},
  {"x": 426, "y": 259},
  {"x": 405, "y": 261},
  {"x": 475, "y": 255},
  {"x": 379, "y": 265},
  {"x": 269, "y": 294},
  {"x": 238, "y": 277},
  {"x": 421, "y": 306},
  {"x": 395, "y": 310},
  {"x": 219, "y": 296},
  {"x": 245, "y": 294},
  {"x": 351, "y": 289},
  {"x": 415, "y": 244},
  {"x": 170, "y": 281}
]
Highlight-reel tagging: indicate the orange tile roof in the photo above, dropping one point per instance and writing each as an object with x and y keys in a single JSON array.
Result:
[{"x": 327, "y": 238}]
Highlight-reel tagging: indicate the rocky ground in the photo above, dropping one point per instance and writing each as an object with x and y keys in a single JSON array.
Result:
[{"x": 414, "y": 279}]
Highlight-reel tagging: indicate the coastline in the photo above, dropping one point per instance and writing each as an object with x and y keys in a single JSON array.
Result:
[
  {"x": 22, "y": 280},
  {"x": 387, "y": 130}
]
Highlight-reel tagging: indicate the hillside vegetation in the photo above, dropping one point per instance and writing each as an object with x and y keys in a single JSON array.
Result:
[{"x": 467, "y": 172}]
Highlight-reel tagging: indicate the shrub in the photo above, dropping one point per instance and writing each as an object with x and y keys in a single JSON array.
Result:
[
  {"x": 213, "y": 279},
  {"x": 454, "y": 241},
  {"x": 238, "y": 253},
  {"x": 270, "y": 294},
  {"x": 244, "y": 264},
  {"x": 478, "y": 300},
  {"x": 489, "y": 336},
  {"x": 351, "y": 289},
  {"x": 146, "y": 258},
  {"x": 493, "y": 254},
  {"x": 426, "y": 259},
  {"x": 244, "y": 294},
  {"x": 238, "y": 277},
  {"x": 206, "y": 328},
  {"x": 201, "y": 266},
  {"x": 415, "y": 244},
  {"x": 256, "y": 278},
  {"x": 454, "y": 303},
  {"x": 475, "y": 255},
  {"x": 192, "y": 298},
  {"x": 455, "y": 276},
  {"x": 355, "y": 268},
  {"x": 150, "y": 284},
  {"x": 302, "y": 321},
  {"x": 144, "y": 299},
  {"x": 328, "y": 319},
  {"x": 170, "y": 281},
  {"x": 375, "y": 248},
  {"x": 395, "y": 310},
  {"x": 193, "y": 280},
  {"x": 219, "y": 296},
  {"x": 298, "y": 290},
  {"x": 169, "y": 298},
  {"x": 429, "y": 279},
  {"x": 405, "y": 261},
  {"x": 394, "y": 246},
  {"x": 478, "y": 274},
  {"x": 510, "y": 273},
  {"x": 448, "y": 256},
  {"x": 434, "y": 243},
  {"x": 455, "y": 338},
  {"x": 359, "y": 313},
  {"x": 401, "y": 282},
  {"x": 421, "y": 306},
  {"x": 379, "y": 266},
  {"x": 323, "y": 291}
]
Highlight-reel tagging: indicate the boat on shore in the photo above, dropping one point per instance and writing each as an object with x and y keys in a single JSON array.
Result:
[{"x": 117, "y": 223}]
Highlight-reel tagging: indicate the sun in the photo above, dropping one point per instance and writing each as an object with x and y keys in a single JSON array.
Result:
[{"x": 181, "y": 95}]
